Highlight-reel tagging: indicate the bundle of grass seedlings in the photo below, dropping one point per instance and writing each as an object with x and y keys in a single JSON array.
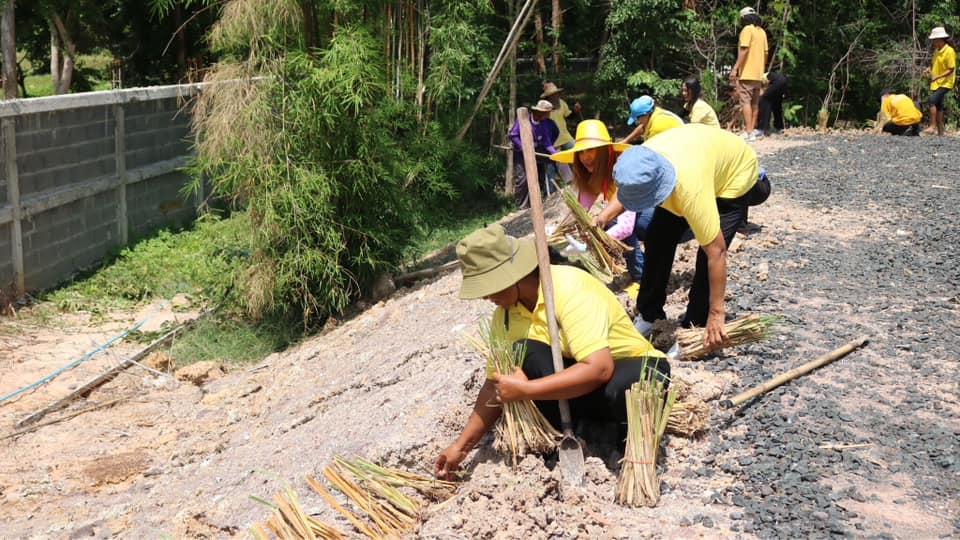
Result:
[
  {"x": 648, "y": 410},
  {"x": 688, "y": 418},
  {"x": 604, "y": 255},
  {"x": 749, "y": 329},
  {"x": 522, "y": 428},
  {"x": 289, "y": 522},
  {"x": 378, "y": 492}
]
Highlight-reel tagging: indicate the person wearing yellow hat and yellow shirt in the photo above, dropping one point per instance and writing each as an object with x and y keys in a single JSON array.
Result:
[
  {"x": 603, "y": 354},
  {"x": 898, "y": 115},
  {"x": 650, "y": 119},
  {"x": 943, "y": 77},
  {"x": 591, "y": 158}
]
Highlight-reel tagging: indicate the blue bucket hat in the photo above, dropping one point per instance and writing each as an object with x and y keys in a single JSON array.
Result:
[
  {"x": 641, "y": 106},
  {"x": 644, "y": 178}
]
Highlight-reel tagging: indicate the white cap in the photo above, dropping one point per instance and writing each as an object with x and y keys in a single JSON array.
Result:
[
  {"x": 939, "y": 33},
  {"x": 543, "y": 106},
  {"x": 747, "y": 11}
]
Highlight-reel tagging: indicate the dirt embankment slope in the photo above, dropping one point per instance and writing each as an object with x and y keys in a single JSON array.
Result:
[{"x": 848, "y": 245}]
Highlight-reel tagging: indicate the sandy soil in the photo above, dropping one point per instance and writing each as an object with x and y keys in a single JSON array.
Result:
[{"x": 395, "y": 382}]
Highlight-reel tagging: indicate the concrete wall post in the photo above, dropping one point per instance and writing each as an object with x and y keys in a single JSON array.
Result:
[
  {"x": 13, "y": 198},
  {"x": 119, "y": 134}
]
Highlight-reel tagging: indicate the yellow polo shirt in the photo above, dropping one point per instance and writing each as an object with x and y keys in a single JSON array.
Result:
[
  {"x": 901, "y": 110},
  {"x": 703, "y": 113},
  {"x": 943, "y": 61},
  {"x": 755, "y": 39},
  {"x": 559, "y": 117},
  {"x": 589, "y": 316},
  {"x": 660, "y": 120},
  {"x": 711, "y": 164}
]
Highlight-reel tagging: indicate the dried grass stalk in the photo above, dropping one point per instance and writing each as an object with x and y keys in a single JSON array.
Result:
[
  {"x": 389, "y": 513},
  {"x": 648, "y": 409},
  {"x": 522, "y": 428},
  {"x": 688, "y": 418},
  {"x": 604, "y": 255},
  {"x": 289, "y": 522},
  {"x": 749, "y": 329}
]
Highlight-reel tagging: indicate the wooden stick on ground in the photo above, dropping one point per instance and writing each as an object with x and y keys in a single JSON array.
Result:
[
  {"x": 425, "y": 273},
  {"x": 62, "y": 418},
  {"x": 109, "y": 374},
  {"x": 794, "y": 373}
]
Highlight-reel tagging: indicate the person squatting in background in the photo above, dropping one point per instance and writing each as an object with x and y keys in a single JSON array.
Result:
[
  {"x": 592, "y": 158},
  {"x": 771, "y": 103},
  {"x": 544, "y": 134},
  {"x": 696, "y": 109},
  {"x": 747, "y": 73},
  {"x": 898, "y": 115},
  {"x": 943, "y": 77},
  {"x": 650, "y": 119}
]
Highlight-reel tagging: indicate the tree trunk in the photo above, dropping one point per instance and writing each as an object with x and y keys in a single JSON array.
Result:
[
  {"x": 556, "y": 22},
  {"x": 70, "y": 55},
  {"x": 54, "y": 56},
  {"x": 309, "y": 24},
  {"x": 541, "y": 61},
  {"x": 181, "y": 39},
  {"x": 8, "y": 42}
]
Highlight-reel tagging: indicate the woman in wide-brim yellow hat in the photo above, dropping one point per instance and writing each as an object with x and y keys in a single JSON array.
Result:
[{"x": 592, "y": 158}]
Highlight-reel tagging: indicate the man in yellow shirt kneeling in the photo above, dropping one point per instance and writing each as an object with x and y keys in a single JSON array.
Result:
[
  {"x": 898, "y": 115},
  {"x": 603, "y": 354}
]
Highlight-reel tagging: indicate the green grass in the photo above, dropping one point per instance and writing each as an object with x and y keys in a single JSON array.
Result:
[
  {"x": 455, "y": 226},
  {"x": 97, "y": 65},
  {"x": 230, "y": 340},
  {"x": 201, "y": 262}
]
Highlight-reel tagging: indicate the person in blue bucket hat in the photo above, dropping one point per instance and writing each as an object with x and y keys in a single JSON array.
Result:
[
  {"x": 649, "y": 119},
  {"x": 698, "y": 178}
]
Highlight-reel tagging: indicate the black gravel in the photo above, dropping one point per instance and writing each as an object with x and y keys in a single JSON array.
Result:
[{"x": 898, "y": 282}]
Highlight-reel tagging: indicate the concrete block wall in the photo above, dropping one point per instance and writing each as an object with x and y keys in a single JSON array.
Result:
[{"x": 72, "y": 183}]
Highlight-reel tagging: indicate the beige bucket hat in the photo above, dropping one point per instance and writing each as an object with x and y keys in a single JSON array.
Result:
[
  {"x": 542, "y": 106},
  {"x": 491, "y": 261}
]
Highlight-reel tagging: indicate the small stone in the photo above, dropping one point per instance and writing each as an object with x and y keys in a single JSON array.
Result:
[
  {"x": 685, "y": 522},
  {"x": 707, "y": 522},
  {"x": 822, "y": 516}
]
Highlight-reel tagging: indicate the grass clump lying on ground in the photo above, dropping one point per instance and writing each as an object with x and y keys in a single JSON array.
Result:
[{"x": 202, "y": 262}]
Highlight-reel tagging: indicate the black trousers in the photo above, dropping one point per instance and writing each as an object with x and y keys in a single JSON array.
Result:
[
  {"x": 771, "y": 103},
  {"x": 521, "y": 189},
  {"x": 605, "y": 404},
  {"x": 663, "y": 236},
  {"x": 912, "y": 130}
]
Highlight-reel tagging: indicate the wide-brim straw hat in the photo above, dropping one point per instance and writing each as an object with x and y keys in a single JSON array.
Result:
[
  {"x": 590, "y": 134},
  {"x": 550, "y": 89},
  {"x": 939, "y": 33},
  {"x": 491, "y": 261},
  {"x": 542, "y": 106}
]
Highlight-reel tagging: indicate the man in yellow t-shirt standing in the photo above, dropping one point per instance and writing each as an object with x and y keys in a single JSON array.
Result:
[
  {"x": 603, "y": 354},
  {"x": 898, "y": 115},
  {"x": 747, "y": 73},
  {"x": 943, "y": 76},
  {"x": 699, "y": 178},
  {"x": 559, "y": 116}
]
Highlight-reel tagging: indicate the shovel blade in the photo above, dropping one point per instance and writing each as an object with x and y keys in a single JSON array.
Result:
[{"x": 571, "y": 461}]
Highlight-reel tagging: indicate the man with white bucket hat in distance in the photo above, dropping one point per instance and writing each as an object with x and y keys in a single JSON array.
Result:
[
  {"x": 699, "y": 178},
  {"x": 943, "y": 77}
]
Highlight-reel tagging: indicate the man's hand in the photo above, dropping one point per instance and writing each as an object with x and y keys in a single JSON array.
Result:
[
  {"x": 449, "y": 461},
  {"x": 714, "y": 336},
  {"x": 511, "y": 387}
]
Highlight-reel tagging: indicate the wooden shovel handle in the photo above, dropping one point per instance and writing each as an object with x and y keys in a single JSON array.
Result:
[{"x": 543, "y": 256}]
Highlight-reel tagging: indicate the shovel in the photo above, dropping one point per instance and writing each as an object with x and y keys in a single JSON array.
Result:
[{"x": 571, "y": 454}]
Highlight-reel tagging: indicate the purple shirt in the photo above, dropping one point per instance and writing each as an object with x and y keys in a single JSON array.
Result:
[{"x": 544, "y": 133}]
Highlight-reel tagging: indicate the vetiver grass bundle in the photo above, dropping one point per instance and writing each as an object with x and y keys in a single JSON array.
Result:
[
  {"x": 749, "y": 329},
  {"x": 290, "y": 522},
  {"x": 377, "y": 492},
  {"x": 604, "y": 256},
  {"x": 522, "y": 429},
  {"x": 688, "y": 418},
  {"x": 648, "y": 410}
]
